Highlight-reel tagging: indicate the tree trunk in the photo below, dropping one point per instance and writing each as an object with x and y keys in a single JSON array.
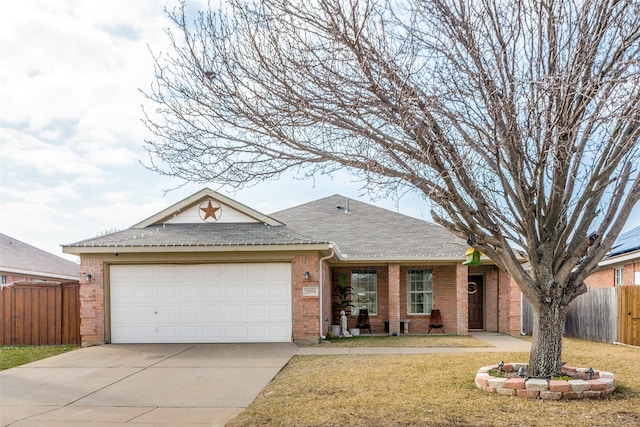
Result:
[{"x": 546, "y": 347}]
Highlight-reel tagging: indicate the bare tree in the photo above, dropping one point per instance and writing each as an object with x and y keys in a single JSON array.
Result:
[{"x": 518, "y": 119}]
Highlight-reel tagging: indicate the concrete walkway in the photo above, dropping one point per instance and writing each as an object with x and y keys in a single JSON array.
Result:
[
  {"x": 499, "y": 343},
  {"x": 148, "y": 385}
]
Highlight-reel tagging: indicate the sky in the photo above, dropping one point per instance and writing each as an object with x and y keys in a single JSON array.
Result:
[{"x": 71, "y": 136}]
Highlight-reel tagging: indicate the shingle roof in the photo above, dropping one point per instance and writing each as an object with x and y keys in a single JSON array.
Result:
[
  {"x": 368, "y": 232},
  {"x": 626, "y": 242},
  {"x": 205, "y": 234},
  {"x": 20, "y": 257}
]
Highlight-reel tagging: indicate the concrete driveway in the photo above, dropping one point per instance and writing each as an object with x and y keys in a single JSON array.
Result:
[{"x": 141, "y": 385}]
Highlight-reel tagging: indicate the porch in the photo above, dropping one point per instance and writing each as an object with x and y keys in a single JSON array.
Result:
[{"x": 399, "y": 298}]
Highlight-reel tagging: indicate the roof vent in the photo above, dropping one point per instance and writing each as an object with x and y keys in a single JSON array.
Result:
[{"x": 345, "y": 209}]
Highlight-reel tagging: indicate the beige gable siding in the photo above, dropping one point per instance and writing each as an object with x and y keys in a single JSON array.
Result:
[{"x": 227, "y": 215}]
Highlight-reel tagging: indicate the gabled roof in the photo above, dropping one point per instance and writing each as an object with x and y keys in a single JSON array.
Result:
[
  {"x": 23, "y": 259},
  {"x": 179, "y": 228},
  {"x": 357, "y": 231},
  {"x": 172, "y": 211},
  {"x": 364, "y": 232}
]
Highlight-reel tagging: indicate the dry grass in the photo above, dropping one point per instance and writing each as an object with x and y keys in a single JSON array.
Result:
[
  {"x": 430, "y": 341},
  {"x": 436, "y": 390}
]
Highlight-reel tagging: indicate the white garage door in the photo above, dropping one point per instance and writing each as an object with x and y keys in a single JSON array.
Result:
[{"x": 213, "y": 303}]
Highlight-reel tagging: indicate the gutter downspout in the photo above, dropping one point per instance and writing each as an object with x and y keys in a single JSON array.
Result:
[
  {"x": 320, "y": 287},
  {"x": 522, "y": 333}
]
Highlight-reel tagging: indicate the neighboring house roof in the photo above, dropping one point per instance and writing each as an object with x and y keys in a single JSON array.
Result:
[
  {"x": 23, "y": 259},
  {"x": 365, "y": 232},
  {"x": 625, "y": 248},
  {"x": 626, "y": 242}
]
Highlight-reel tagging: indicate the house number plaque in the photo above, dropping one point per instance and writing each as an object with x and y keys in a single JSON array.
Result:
[{"x": 310, "y": 291}]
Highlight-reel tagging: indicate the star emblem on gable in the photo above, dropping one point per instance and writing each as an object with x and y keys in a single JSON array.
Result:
[{"x": 209, "y": 212}]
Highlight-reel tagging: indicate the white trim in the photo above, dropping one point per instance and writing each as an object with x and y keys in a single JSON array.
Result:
[
  {"x": 621, "y": 258},
  {"x": 618, "y": 276},
  {"x": 78, "y": 250}
]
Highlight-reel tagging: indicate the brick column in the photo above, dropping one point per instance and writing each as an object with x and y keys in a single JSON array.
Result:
[
  {"x": 92, "y": 310},
  {"x": 462, "y": 299},
  {"x": 515, "y": 304},
  {"x": 394, "y": 299}
]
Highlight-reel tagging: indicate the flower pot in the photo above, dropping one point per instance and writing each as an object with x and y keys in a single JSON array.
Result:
[
  {"x": 336, "y": 330},
  {"x": 355, "y": 332}
]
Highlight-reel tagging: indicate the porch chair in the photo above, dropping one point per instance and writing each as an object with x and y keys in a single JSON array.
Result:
[
  {"x": 435, "y": 321},
  {"x": 363, "y": 319}
]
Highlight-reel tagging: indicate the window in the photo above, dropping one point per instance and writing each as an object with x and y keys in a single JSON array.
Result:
[
  {"x": 2, "y": 279},
  {"x": 364, "y": 291},
  {"x": 419, "y": 291},
  {"x": 618, "y": 276}
]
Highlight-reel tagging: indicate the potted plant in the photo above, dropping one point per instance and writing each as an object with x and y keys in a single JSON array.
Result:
[{"x": 341, "y": 301}]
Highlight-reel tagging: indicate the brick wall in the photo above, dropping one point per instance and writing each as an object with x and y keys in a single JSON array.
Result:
[
  {"x": 462, "y": 295},
  {"x": 376, "y": 320},
  {"x": 444, "y": 296},
  {"x": 605, "y": 277},
  {"x": 394, "y": 299},
  {"x": 92, "y": 313},
  {"x": 306, "y": 321},
  {"x": 444, "y": 299}
]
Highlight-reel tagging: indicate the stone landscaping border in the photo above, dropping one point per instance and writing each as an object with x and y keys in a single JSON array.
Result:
[{"x": 602, "y": 384}]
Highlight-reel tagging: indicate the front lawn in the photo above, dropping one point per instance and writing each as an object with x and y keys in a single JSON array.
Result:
[
  {"x": 16, "y": 355},
  {"x": 436, "y": 389}
]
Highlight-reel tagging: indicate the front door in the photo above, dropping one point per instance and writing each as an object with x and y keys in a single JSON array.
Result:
[{"x": 476, "y": 312}]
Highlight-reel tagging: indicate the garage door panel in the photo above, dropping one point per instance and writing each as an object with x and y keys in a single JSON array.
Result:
[
  {"x": 201, "y": 303},
  {"x": 211, "y": 312},
  {"x": 234, "y": 313},
  {"x": 165, "y": 291},
  {"x": 142, "y": 312},
  {"x": 234, "y": 332},
  {"x": 214, "y": 332},
  {"x": 212, "y": 291},
  {"x": 167, "y": 333},
  {"x": 139, "y": 333},
  {"x": 257, "y": 312},
  {"x": 279, "y": 311},
  {"x": 190, "y": 312},
  {"x": 187, "y": 291},
  {"x": 233, "y": 292},
  {"x": 277, "y": 290}
]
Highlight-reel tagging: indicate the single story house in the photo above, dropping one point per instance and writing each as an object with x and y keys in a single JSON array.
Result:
[
  {"x": 621, "y": 266},
  {"x": 21, "y": 262},
  {"x": 210, "y": 269}
]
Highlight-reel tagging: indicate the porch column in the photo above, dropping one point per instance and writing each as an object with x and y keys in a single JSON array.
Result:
[
  {"x": 462, "y": 299},
  {"x": 394, "y": 299}
]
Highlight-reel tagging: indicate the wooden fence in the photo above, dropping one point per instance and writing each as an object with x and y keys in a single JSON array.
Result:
[
  {"x": 592, "y": 316},
  {"x": 40, "y": 313},
  {"x": 629, "y": 315},
  {"x": 604, "y": 315}
]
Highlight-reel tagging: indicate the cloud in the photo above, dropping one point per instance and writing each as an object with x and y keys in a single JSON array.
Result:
[{"x": 22, "y": 150}]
